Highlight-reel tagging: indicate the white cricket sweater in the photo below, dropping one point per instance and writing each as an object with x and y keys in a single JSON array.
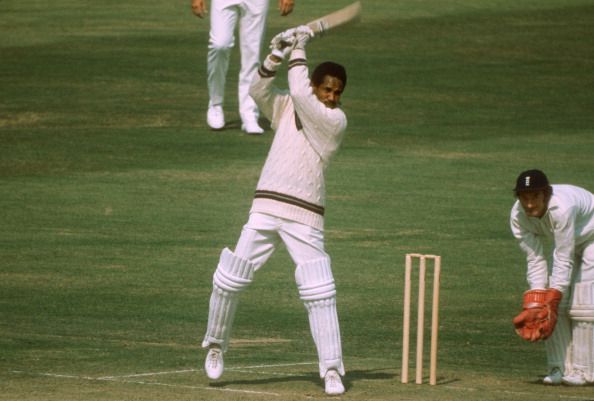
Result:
[
  {"x": 291, "y": 183},
  {"x": 568, "y": 221}
]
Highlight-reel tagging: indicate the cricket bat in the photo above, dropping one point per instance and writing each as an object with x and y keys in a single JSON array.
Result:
[{"x": 335, "y": 19}]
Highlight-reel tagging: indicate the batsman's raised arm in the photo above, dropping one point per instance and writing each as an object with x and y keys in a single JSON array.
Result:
[
  {"x": 261, "y": 89},
  {"x": 317, "y": 101}
]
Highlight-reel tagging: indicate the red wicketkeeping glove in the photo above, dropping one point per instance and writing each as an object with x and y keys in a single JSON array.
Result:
[
  {"x": 552, "y": 300},
  {"x": 539, "y": 317}
]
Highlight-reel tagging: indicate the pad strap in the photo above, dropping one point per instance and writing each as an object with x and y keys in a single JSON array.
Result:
[
  {"x": 315, "y": 281},
  {"x": 582, "y": 304},
  {"x": 233, "y": 273}
]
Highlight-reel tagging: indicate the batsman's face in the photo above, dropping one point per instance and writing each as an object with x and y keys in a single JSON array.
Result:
[
  {"x": 329, "y": 91},
  {"x": 534, "y": 203}
]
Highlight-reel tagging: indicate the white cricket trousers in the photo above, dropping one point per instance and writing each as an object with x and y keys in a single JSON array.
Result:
[
  {"x": 259, "y": 238},
  {"x": 263, "y": 233},
  {"x": 224, "y": 17}
]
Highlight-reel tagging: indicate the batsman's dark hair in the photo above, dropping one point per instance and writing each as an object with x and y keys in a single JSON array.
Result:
[{"x": 328, "y": 68}]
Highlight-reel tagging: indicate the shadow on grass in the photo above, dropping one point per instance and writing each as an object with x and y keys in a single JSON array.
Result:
[
  {"x": 351, "y": 377},
  {"x": 310, "y": 377}
]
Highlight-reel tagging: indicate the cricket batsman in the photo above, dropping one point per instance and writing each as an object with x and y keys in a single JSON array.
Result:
[
  {"x": 558, "y": 308},
  {"x": 288, "y": 205}
]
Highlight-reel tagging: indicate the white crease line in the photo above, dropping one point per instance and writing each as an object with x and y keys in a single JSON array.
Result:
[
  {"x": 55, "y": 375},
  {"x": 173, "y": 372},
  {"x": 241, "y": 369},
  {"x": 522, "y": 393},
  {"x": 230, "y": 390},
  {"x": 116, "y": 380}
]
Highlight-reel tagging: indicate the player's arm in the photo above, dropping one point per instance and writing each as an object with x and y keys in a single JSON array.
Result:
[
  {"x": 261, "y": 89},
  {"x": 564, "y": 254},
  {"x": 531, "y": 244},
  {"x": 199, "y": 8},
  {"x": 539, "y": 308},
  {"x": 322, "y": 126}
]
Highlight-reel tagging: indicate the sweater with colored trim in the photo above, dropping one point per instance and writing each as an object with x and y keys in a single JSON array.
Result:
[{"x": 307, "y": 135}]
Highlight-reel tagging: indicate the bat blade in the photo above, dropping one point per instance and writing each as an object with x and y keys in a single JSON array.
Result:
[{"x": 337, "y": 18}]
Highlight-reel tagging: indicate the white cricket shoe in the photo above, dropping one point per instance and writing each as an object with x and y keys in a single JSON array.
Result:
[
  {"x": 575, "y": 378},
  {"x": 215, "y": 118},
  {"x": 333, "y": 383},
  {"x": 554, "y": 377},
  {"x": 213, "y": 365},
  {"x": 251, "y": 127}
]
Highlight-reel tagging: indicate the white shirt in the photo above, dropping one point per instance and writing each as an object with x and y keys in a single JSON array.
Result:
[
  {"x": 292, "y": 182},
  {"x": 568, "y": 222}
]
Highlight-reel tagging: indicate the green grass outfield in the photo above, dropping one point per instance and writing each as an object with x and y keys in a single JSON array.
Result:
[{"x": 116, "y": 199}]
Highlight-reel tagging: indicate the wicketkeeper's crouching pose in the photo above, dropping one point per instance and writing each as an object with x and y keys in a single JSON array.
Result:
[
  {"x": 561, "y": 312},
  {"x": 289, "y": 201}
]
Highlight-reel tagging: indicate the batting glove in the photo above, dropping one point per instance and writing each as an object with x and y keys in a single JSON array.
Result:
[
  {"x": 282, "y": 44},
  {"x": 302, "y": 34}
]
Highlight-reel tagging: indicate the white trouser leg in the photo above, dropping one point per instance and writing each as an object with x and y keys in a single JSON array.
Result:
[
  {"x": 251, "y": 31},
  {"x": 558, "y": 346},
  {"x": 318, "y": 292},
  {"x": 221, "y": 41},
  {"x": 313, "y": 274},
  {"x": 262, "y": 233},
  {"x": 259, "y": 239},
  {"x": 232, "y": 276}
]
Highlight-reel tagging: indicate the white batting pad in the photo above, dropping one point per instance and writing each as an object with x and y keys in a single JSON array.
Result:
[
  {"x": 582, "y": 303},
  {"x": 318, "y": 292},
  {"x": 232, "y": 276},
  {"x": 558, "y": 345},
  {"x": 582, "y": 315},
  {"x": 583, "y": 348}
]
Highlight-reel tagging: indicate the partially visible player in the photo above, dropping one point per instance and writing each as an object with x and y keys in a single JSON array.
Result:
[
  {"x": 559, "y": 308},
  {"x": 225, "y": 16},
  {"x": 289, "y": 202}
]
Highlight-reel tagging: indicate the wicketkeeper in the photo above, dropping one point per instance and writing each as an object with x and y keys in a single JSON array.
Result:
[
  {"x": 289, "y": 201},
  {"x": 559, "y": 308}
]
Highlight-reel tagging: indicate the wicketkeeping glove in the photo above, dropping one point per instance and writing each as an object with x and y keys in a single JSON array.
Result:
[{"x": 539, "y": 317}]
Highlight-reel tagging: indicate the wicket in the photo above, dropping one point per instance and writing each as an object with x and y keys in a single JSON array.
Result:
[{"x": 420, "y": 317}]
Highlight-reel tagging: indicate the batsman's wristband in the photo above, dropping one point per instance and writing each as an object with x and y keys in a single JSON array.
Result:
[{"x": 271, "y": 65}]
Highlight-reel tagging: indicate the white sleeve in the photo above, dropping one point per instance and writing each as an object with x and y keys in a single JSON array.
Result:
[
  {"x": 564, "y": 254},
  {"x": 323, "y": 127},
  {"x": 531, "y": 244},
  {"x": 262, "y": 90}
]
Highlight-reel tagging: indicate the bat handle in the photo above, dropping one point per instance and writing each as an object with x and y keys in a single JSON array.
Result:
[{"x": 318, "y": 27}]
